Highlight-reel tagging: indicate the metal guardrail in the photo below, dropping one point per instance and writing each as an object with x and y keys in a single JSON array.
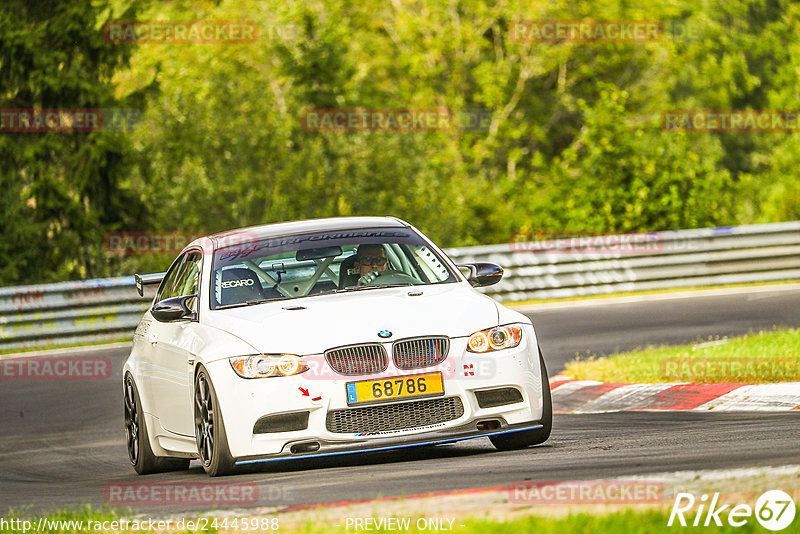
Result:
[
  {"x": 660, "y": 260},
  {"x": 110, "y": 308},
  {"x": 70, "y": 312}
]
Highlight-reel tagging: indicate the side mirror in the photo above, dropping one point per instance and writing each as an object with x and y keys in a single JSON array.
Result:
[
  {"x": 174, "y": 309},
  {"x": 482, "y": 274}
]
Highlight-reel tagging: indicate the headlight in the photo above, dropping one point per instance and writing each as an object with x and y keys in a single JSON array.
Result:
[
  {"x": 498, "y": 338},
  {"x": 268, "y": 365}
]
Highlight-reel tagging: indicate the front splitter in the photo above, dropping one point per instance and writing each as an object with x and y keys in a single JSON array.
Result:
[{"x": 338, "y": 448}]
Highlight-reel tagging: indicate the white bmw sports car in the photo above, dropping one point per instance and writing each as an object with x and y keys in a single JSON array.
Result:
[{"x": 325, "y": 337}]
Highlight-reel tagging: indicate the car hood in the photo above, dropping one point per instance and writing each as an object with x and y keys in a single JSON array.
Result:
[{"x": 311, "y": 325}]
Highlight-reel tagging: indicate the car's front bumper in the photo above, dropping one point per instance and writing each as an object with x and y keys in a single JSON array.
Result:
[{"x": 244, "y": 402}]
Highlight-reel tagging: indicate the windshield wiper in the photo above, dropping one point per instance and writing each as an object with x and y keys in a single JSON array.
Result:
[
  {"x": 250, "y": 302},
  {"x": 262, "y": 301},
  {"x": 360, "y": 288}
]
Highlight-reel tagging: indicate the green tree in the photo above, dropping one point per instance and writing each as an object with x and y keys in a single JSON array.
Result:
[
  {"x": 623, "y": 177},
  {"x": 63, "y": 189}
]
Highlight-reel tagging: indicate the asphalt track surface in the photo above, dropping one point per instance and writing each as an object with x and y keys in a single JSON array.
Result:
[{"x": 61, "y": 443}]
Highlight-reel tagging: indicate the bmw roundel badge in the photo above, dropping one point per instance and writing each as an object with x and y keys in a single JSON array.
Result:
[{"x": 384, "y": 334}]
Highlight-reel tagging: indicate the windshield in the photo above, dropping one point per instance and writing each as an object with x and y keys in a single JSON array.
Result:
[{"x": 325, "y": 262}]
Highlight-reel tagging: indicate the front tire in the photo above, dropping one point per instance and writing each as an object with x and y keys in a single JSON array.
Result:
[
  {"x": 212, "y": 442},
  {"x": 137, "y": 440},
  {"x": 526, "y": 438}
]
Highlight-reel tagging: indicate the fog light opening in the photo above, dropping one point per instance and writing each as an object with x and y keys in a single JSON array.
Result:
[{"x": 299, "y": 448}]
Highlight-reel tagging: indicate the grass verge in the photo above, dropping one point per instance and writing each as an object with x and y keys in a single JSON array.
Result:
[
  {"x": 647, "y": 292},
  {"x": 765, "y": 357}
]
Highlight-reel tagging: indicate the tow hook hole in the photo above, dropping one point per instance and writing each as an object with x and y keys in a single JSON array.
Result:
[
  {"x": 304, "y": 447},
  {"x": 488, "y": 425}
]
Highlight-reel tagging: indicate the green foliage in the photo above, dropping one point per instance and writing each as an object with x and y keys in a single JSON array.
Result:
[
  {"x": 623, "y": 177},
  {"x": 572, "y": 142},
  {"x": 61, "y": 189}
]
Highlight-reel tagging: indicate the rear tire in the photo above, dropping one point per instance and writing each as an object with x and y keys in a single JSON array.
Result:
[
  {"x": 137, "y": 440},
  {"x": 526, "y": 438},
  {"x": 209, "y": 429}
]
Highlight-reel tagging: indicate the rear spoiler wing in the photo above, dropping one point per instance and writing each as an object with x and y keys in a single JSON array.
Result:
[{"x": 146, "y": 280}]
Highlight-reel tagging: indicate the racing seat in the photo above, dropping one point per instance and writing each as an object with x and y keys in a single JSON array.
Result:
[
  {"x": 238, "y": 285},
  {"x": 345, "y": 278}
]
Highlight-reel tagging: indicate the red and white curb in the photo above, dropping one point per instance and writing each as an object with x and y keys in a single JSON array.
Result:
[{"x": 589, "y": 396}]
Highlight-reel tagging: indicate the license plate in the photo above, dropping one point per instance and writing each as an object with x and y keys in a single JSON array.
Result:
[{"x": 395, "y": 387}]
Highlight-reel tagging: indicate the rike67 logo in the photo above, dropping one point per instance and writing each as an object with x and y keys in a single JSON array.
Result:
[{"x": 774, "y": 510}]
